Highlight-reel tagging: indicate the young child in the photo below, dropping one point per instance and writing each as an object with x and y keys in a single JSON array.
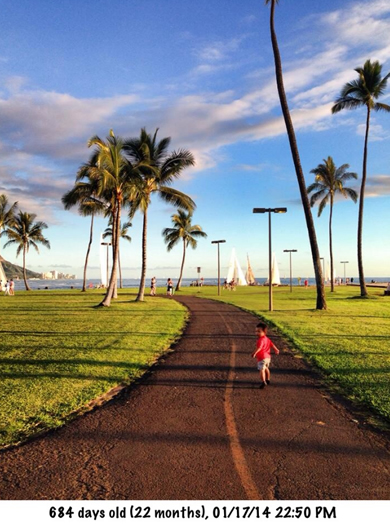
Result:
[{"x": 263, "y": 353}]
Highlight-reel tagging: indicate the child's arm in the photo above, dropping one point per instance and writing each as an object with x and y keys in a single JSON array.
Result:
[{"x": 276, "y": 350}]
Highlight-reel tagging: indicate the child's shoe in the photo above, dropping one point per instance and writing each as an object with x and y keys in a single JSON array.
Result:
[{"x": 262, "y": 385}]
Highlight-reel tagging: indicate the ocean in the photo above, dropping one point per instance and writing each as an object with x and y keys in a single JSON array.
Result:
[{"x": 66, "y": 284}]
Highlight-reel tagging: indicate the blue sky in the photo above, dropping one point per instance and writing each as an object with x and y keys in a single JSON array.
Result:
[{"x": 202, "y": 72}]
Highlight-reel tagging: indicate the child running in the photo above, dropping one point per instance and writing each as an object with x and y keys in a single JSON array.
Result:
[{"x": 263, "y": 353}]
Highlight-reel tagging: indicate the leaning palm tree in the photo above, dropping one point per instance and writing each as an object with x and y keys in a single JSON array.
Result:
[
  {"x": 83, "y": 194},
  {"x": 124, "y": 228},
  {"x": 24, "y": 232},
  {"x": 329, "y": 181},
  {"x": 115, "y": 177},
  {"x": 7, "y": 213},
  {"x": 159, "y": 169},
  {"x": 364, "y": 91},
  {"x": 184, "y": 230},
  {"x": 321, "y": 302}
]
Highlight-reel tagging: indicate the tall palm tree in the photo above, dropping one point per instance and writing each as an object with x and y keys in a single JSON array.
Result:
[
  {"x": 364, "y": 91},
  {"x": 329, "y": 181},
  {"x": 124, "y": 228},
  {"x": 184, "y": 230},
  {"x": 83, "y": 194},
  {"x": 321, "y": 301},
  {"x": 7, "y": 213},
  {"x": 159, "y": 169},
  {"x": 24, "y": 232},
  {"x": 115, "y": 177}
]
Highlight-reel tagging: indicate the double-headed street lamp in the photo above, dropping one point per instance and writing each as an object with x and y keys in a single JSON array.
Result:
[
  {"x": 219, "y": 266},
  {"x": 344, "y": 262},
  {"x": 290, "y": 252},
  {"x": 269, "y": 211}
]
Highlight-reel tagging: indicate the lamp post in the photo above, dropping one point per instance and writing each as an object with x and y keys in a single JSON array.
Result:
[
  {"x": 344, "y": 262},
  {"x": 219, "y": 266},
  {"x": 290, "y": 252},
  {"x": 269, "y": 211},
  {"x": 106, "y": 244}
]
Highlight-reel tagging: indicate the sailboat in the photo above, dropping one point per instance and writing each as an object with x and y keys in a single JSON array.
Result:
[
  {"x": 275, "y": 277},
  {"x": 235, "y": 272},
  {"x": 249, "y": 276}
]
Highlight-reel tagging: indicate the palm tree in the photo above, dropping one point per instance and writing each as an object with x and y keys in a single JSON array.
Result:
[
  {"x": 84, "y": 194},
  {"x": 159, "y": 169},
  {"x": 329, "y": 181},
  {"x": 7, "y": 213},
  {"x": 186, "y": 231},
  {"x": 115, "y": 177},
  {"x": 24, "y": 232},
  {"x": 321, "y": 302},
  {"x": 122, "y": 235},
  {"x": 364, "y": 91}
]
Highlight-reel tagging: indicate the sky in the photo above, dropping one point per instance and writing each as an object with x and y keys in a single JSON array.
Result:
[{"x": 202, "y": 73}]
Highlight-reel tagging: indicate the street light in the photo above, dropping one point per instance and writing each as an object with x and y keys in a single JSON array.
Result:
[
  {"x": 290, "y": 251},
  {"x": 106, "y": 244},
  {"x": 219, "y": 266},
  {"x": 344, "y": 262},
  {"x": 269, "y": 211}
]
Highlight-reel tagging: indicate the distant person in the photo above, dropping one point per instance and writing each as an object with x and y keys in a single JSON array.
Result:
[
  {"x": 306, "y": 283},
  {"x": 262, "y": 353},
  {"x": 170, "y": 287},
  {"x": 299, "y": 281},
  {"x": 153, "y": 286},
  {"x": 6, "y": 289},
  {"x": 11, "y": 287}
]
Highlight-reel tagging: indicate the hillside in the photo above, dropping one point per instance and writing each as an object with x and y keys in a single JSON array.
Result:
[{"x": 16, "y": 272}]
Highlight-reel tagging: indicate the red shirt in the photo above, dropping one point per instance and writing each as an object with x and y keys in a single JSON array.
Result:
[{"x": 263, "y": 348}]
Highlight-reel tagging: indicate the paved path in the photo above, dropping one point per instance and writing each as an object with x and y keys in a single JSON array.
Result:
[{"x": 198, "y": 427}]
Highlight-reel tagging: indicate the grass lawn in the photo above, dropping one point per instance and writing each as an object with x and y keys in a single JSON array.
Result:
[
  {"x": 350, "y": 342},
  {"x": 57, "y": 353}
]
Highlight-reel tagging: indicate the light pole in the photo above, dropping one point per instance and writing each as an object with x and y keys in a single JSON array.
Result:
[
  {"x": 106, "y": 244},
  {"x": 219, "y": 266},
  {"x": 344, "y": 262},
  {"x": 269, "y": 211},
  {"x": 290, "y": 252}
]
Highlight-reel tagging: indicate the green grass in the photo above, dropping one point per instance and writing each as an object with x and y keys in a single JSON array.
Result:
[
  {"x": 57, "y": 353},
  {"x": 349, "y": 343}
]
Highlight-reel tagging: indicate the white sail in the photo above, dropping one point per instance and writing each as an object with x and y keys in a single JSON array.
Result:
[
  {"x": 3, "y": 277},
  {"x": 103, "y": 263},
  {"x": 327, "y": 272},
  {"x": 249, "y": 276},
  {"x": 275, "y": 277},
  {"x": 235, "y": 272}
]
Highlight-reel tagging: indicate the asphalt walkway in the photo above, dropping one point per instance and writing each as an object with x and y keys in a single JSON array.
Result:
[{"x": 198, "y": 427}]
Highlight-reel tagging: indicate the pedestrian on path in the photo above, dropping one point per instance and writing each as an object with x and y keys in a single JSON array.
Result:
[
  {"x": 7, "y": 288},
  {"x": 262, "y": 353}
]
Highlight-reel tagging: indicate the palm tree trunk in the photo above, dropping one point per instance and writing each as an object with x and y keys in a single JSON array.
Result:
[
  {"x": 321, "y": 301},
  {"x": 141, "y": 291},
  {"x": 182, "y": 266},
  {"x": 120, "y": 270},
  {"x": 113, "y": 278},
  {"x": 363, "y": 288},
  {"x": 24, "y": 270},
  {"x": 331, "y": 245},
  {"x": 84, "y": 289}
]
